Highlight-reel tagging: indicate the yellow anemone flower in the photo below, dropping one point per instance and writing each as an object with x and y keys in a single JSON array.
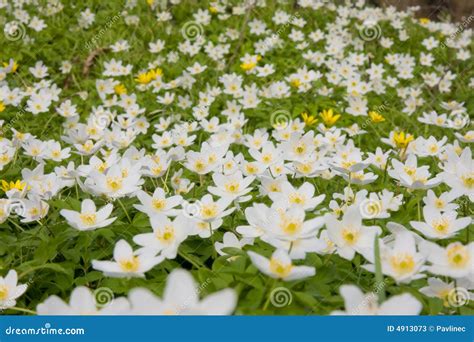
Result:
[
  {"x": 120, "y": 89},
  {"x": 248, "y": 66},
  {"x": 376, "y": 117},
  {"x": 402, "y": 140},
  {"x": 328, "y": 117},
  {"x": 308, "y": 119},
  {"x": 19, "y": 185},
  {"x": 2, "y": 106}
]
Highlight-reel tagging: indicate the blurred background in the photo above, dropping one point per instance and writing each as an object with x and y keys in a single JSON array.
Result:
[{"x": 455, "y": 10}]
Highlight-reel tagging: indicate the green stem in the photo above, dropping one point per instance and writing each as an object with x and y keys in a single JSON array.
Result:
[
  {"x": 16, "y": 225},
  {"x": 265, "y": 306},
  {"x": 125, "y": 210},
  {"x": 22, "y": 310},
  {"x": 378, "y": 271}
]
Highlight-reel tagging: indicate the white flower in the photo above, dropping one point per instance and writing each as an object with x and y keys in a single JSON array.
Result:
[
  {"x": 10, "y": 290},
  {"x": 127, "y": 263},
  {"x": 82, "y": 302},
  {"x": 357, "y": 303},
  {"x": 89, "y": 218},
  {"x": 166, "y": 237},
  {"x": 181, "y": 297},
  {"x": 439, "y": 225},
  {"x": 350, "y": 235},
  {"x": 280, "y": 266}
]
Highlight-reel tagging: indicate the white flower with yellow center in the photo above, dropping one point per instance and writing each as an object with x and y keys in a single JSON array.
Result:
[
  {"x": 358, "y": 303},
  {"x": 454, "y": 260},
  {"x": 158, "y": 203},
  {"x": 280, "y": 266},
  {"x": 89, "y": 218},
  {"x": 10, "y": 290},
  {"x": 166, "y": 237},
  {"x": 181, "y": 297},
  {"x": 127, "y": 263},
  {"x": 439, "y": 225},
  {"x": 234, "y": 186},
  {"x": 350, "y": 235},
  {"x": 400, "y": 258}
]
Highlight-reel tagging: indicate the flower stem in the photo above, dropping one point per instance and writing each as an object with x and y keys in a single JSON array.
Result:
[
  {"x": 22, "y": 310},
  {"x": 125, "y": 210}
]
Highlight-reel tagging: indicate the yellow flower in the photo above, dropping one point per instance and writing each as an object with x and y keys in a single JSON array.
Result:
[
  {"x": 424, "y": 21},
  {"x": 259, "y": 58},
  {"x": 295, "y": 82},
  {"x": 308, "y": 119},
  {"x": 401, "y": 139},
  {"x": 328, "y": 117},
  {"x": 14, "y": 68},
  {"x": 376, "y": 117},
  {"x": 143, "y": 78},
  {"x": 213, "y": 10},
  {"x": 120, "y": 89},
  {"x": 19, "y": 185},
  {"x": 150, "y": 2},
  {"x": 2, "y": 107},
  {"x": 248, "y": 66}
]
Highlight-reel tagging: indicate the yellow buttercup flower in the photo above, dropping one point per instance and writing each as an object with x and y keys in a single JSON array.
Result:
[
  {"x": 376, "y": 117},
  {"x": 424, "y": 21},
  {"x": 328, "y": 117},
  {"x": 248, "y": 66},
  {"x": 295, "y": 83},
  {"x": 14, "y": 68},
  {"x": 147, "y": 77},
  {"x": 308, "y": 119},
  {"x": 213, "y": 10},
  {"x": 6, "y": 186},
  {"x": 150, "y": 2},
  {"x": 2, "y": 107},
  {"x": 120, "y": 89},
  {"x": 402, "y": 140}
]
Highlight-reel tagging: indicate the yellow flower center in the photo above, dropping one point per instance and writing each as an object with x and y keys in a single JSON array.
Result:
[
  {"x": 291, "y": 227},
  {"x": 88, "y": 219},
  {"x": 130, "y": 265},
  {"x": 350, "y": 236},
  {"x": 458, "y": 256},
  {"x": 209, "y": 211},
  {"x": 3, "y": 292},
  {"x": 158, "y": 204},
  {"x": 441, "y": 226},
  {"x": 402, "y": 263},
  {"x": 166, "y": 235},
  {"x": 232, "y": 187},
  {"x": 279, "y": 269},
  {"x": 114, "y": 183}
]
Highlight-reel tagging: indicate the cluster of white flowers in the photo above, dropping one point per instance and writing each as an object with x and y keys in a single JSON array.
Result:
[{"x": 207, "y": 139}]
